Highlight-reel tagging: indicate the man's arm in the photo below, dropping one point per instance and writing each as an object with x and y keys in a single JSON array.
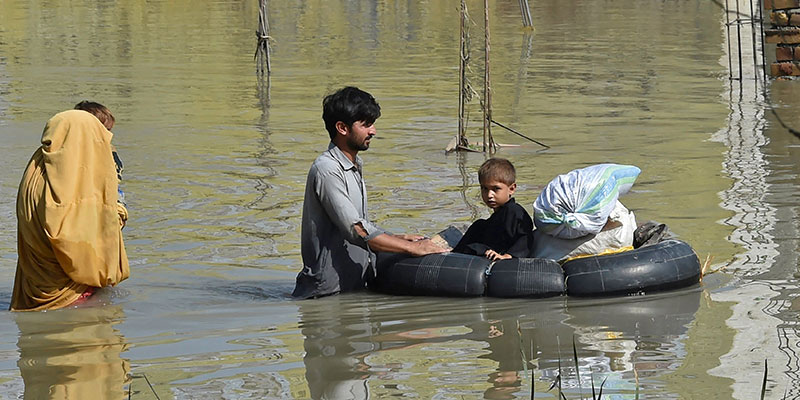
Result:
[
  {"x": 331, "y": 190},
  {"x": 399, "y": 244}
]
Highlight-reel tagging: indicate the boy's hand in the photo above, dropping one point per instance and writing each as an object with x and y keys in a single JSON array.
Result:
[
  {"x": 122, "y": 212},
  {"x": 494, "y": 256}
]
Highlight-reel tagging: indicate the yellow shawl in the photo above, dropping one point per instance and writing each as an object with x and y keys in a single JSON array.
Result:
[{"x": 68, "y": 226}]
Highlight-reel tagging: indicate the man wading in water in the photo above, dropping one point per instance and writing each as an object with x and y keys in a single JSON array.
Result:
[{"x": 337, "y": 240}]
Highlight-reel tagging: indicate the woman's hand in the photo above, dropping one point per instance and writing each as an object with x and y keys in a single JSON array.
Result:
[{"x": 494, "y": 256}]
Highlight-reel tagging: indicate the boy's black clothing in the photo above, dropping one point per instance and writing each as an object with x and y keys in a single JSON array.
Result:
[{"x": 508, "y": 231}]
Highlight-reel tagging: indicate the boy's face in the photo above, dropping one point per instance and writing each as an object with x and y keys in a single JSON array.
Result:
[{"x": 495, "y": 193}]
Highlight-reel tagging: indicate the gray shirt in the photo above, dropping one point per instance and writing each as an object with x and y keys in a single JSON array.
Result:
[{"x": 335, "y": 257}]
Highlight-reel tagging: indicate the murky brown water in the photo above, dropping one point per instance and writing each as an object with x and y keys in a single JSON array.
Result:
[{"x": 215, "y": 169}]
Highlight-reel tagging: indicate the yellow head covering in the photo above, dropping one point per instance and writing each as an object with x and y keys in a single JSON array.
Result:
[{"x": 68, "y": 228}]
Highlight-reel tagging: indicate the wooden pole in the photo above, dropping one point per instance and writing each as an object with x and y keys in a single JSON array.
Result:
[
  {"x": 525, "y": 10},
  {"x": 488, "y": 143},
  {"x": 763, "y": 49},
  {"x": 262, "y": 56},
  {"x": 728, "y": 32},
  {"x": 739, "y": 39},
  {"x": 755, "y": 47},
  {"x": 462, "y": 134}
]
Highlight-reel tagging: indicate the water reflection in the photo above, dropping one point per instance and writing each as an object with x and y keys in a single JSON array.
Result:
[
  {"x": 335, "y": 349},
  {"x": 266, "y": 149},
  {"x": 758, "y": 302},
  {"x": 522, "y": 74},
  {"x": 359, "y": 347},
  {"x": 783, "y": 152},
  {"x": 632, "y": 338},
  {"x": 375, "y": 350},
  {"x": 466, "y": 180},
  {"x": 72, "y": 354}
]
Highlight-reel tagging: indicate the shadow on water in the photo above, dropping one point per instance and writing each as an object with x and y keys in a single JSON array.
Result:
[
  {"x": 361, "y": 346},
  {"x": 72, "y": 354},
  {"x": 256, "y": 291},
  {"x": 5, "y": 299},
  {"x": 216, "y": 291}
]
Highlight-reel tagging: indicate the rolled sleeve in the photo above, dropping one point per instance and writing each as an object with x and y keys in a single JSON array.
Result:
[
  {"x": 371, "y": 229},
  {"x": 331, "y": 190}
]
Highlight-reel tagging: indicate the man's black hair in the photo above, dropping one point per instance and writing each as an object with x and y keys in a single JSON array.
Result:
[{"x": 349, "y": 104}]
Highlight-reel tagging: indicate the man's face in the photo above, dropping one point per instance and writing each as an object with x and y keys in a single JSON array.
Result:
[
  {"x": 359, "y": 135},
  {"x": 495, "y": 193}
]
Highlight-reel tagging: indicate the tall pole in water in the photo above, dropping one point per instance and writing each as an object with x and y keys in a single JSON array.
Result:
[
  {"x": 525, "y": 10},
  {"x": 728, "y": 31},
  {"x": 488, "y": 143},
  {"x": 739, "y": 39},
  {"x": 462, "y": 79},
  {"x": 263, "y": 63}
]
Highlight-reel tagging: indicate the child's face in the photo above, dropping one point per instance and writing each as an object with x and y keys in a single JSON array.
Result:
[{"x": 496, "y": 194}]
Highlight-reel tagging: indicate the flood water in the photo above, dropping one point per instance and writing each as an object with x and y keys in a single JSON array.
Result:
[{"x": 215, "y": 166}]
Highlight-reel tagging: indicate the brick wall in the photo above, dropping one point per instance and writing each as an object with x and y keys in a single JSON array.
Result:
[{"x": 785, "y": 34}]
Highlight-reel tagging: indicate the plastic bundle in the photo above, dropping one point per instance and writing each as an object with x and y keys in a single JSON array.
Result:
[{"x": 579, "y": 202}]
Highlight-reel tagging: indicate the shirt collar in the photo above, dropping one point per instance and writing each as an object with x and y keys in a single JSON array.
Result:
[
  {"x": 509, "y": 202},
  {"x": 345, "y": 162}
]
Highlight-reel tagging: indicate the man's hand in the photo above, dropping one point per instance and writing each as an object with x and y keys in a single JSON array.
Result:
[
  {"x": 494, "y": 256},
  {"x": 424, "y": 247},
  {"x": 411, "y": 238},
  {"x": 409, "y": 244}
]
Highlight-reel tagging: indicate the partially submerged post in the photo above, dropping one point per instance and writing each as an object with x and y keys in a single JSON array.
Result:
[
  {"x": 263, "y": 63},
  {"x": 488, "y": 142},
  {"x": 525, "y": 10},
  {"x": 465, "y": 93},
  {"x": 462, "y": 141}
]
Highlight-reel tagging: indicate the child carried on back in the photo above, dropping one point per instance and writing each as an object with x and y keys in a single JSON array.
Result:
[
  {"x": 105, "y": 116},
  {"x": 509, "y": 231}
]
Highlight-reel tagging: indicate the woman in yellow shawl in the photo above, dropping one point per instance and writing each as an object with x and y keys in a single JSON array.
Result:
[{"x": 68, "y": 222}]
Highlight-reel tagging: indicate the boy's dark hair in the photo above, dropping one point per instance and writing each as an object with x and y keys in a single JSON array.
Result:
[
  {"x": 349, "y": 104},
  {"x": 98, "y": 110},
  {"x": 497, "y": 169}
]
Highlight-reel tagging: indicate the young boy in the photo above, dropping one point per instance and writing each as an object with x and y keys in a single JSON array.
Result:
[
  {"x": 509, "y": 231},
  {"x": 107, "y": 119}
]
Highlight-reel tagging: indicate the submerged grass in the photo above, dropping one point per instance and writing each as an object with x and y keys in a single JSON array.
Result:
[
  {"x": 599, "y": 394},
  {"x": 557, "y": 381},
  {"x": 764, "y": 382},
  {"x": 522, "y": 350},
  {"x": 130, "y": 386},
  {"x": 577, "y": 368}
]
